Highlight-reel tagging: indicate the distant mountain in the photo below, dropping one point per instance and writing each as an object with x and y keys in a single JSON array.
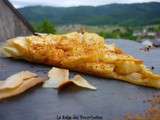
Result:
[{"x": 117, "y": 14}]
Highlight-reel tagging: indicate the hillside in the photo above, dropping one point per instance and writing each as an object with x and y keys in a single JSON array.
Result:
[{"x": 113, "y": 14}]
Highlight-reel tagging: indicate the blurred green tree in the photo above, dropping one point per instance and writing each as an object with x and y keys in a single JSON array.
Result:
[
  {"x": 117, "y": 33},
  {"x": 158, "y": 28},
  {"x": 45, "y": 27}
]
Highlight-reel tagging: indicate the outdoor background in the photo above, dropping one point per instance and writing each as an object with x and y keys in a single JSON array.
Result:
[{"x": 136, "y": 20}]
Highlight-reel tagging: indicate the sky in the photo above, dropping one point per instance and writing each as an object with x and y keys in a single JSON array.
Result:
[{"x": 68, "y": 3}]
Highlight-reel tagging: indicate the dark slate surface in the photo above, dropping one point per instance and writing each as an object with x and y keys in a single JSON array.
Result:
[{"x": 112, "y": 100}]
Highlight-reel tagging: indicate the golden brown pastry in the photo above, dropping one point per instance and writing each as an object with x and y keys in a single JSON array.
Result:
[{"x": 85, "y": 53}]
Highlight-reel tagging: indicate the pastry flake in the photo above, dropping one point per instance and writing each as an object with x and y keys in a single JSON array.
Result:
[
  {"x": 56, "y": 77},
  {"x": 15, "y": 80},
  {"x": 78, "y": 81}
]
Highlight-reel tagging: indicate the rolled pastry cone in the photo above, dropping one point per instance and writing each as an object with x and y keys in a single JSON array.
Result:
[{"x": 86, "y": 53}]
